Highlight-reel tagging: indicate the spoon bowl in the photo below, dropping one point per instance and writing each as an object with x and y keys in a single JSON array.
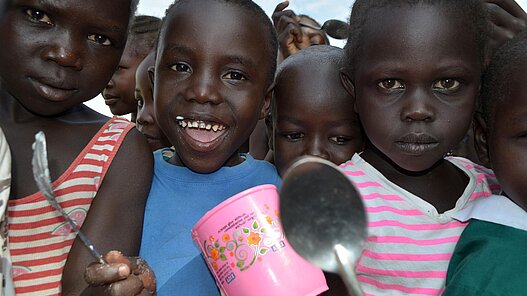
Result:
[{"x": 323, "y": 217}]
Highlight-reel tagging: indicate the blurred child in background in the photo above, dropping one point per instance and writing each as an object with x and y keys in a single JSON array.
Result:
[
  {"x": 119, "y": 93},
  {"x": 146, "y": 121},
  {"x": 327, "y": 125},
  {"x": 490, "y": 257}
]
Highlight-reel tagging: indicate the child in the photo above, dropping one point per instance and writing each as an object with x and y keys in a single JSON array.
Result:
[
  {"x": 414, "y": 69},
  {"x": 213, "y": 75},
  {"x": 146, "y": 119},
  {"x": 490, "y": 257},
  {"x": 327, "y": 127},
  {"x": 59, "y": 54},
  {"x": 119, "y": 92}
]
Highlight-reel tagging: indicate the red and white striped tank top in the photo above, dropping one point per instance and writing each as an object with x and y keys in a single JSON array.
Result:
[
  {"x": 409, "y": 243},
  {"x": 39, "y": 237}
]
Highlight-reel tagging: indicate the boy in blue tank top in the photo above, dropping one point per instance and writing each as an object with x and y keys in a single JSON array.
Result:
[{"x": 212, "y": 83}]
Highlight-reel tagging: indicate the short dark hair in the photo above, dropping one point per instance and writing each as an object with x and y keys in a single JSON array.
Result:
[
  {"x": 471, "y": 10},
  {"x": 143, "y": 34},
  {"x": 319, "y": 54},
  {"x": 261, "y": 17},
  {"x": 501, "y": 75}
]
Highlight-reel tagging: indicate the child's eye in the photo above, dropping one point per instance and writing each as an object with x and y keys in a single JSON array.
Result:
[
  {"x": 446, "y": 84},
  {"x": 140, "y": 102},
  {"x": 38, "y": 16},
  {"x": 100, "y": 39},
  {"x": 234, "y": 76},
  {"x": 391, "y": 84},
  {"x": 293, "y": 137},
  {"x": 339, "y": 140},
  {"x": 181, "y": 67}
]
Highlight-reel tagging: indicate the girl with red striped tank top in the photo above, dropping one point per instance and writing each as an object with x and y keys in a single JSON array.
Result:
[
  {"x": 414, "y": 69},
  {"x": 57, "y": 55}
]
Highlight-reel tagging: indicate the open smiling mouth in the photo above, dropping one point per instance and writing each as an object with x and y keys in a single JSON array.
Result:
[{"x": 206, "y": 135}]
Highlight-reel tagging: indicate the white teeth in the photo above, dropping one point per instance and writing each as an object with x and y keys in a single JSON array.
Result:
[{"x": 199, "y": 124}]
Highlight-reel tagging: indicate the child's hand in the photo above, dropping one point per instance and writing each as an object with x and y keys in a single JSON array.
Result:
[
  {"x": 122, "y": 276},
  {"x": 290, "y": 37},
  {"x": 507, "y": 19}
]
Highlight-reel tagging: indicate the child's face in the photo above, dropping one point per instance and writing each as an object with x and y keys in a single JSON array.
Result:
[
  {"x": 146, "y": 121},
  {"x": 214, "y": 74},
  {"x": 508, "y": 140},
  {"x": 119, "y": 92},
  {"x": 416, "y": 82},
  {"x": 313, "y": 116},
  {"x": 58, "y": 54}
]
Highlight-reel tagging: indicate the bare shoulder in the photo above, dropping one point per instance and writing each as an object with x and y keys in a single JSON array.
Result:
[{"x": 132, "y": 167}]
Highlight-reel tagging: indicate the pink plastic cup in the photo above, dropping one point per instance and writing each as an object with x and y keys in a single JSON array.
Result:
[{"x": 244, "y": 245}]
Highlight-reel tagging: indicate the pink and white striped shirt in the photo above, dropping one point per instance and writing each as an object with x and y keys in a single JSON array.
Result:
[
  {"x": 39, "y": 237},
  {"x": 409, "y": 243}
]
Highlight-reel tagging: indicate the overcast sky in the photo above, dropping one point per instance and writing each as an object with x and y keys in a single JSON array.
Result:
[{"x": 320, "y": 10}]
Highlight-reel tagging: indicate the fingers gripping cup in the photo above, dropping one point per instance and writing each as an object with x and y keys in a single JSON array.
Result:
[{"x": 245, "y": 248}]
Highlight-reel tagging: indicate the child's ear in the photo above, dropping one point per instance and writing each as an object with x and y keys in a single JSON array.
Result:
[
  {"x": 270, "y": 131},
  {"x": 348, "y": 85},
  {"x": 151, "y": 75},
  {"x": 481, "y": 138},
  {"x": 267, "y": 101}
]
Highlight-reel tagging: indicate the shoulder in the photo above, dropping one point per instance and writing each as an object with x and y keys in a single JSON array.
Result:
[
  {"x": 264, "y": 169},
  {"x": 486, "y": 249},
  {"x": 480, "y": 174}
]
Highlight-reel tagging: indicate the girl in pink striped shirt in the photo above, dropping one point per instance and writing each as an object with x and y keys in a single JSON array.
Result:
[{"x": 414, "y": 69}]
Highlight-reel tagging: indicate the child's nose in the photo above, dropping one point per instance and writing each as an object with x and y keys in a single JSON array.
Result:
[
  {"x": 144, "y": 117},
  {"x": 317, "y": 148},
  {"x": 417, "y": 106},
  {"x": 204, "y": 89},
  {"x": 63, "y": 52}
]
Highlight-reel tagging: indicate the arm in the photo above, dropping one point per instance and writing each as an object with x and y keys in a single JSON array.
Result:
[
  {"x": 115, "y": 219},
  {"x": 290, "y": 37}
]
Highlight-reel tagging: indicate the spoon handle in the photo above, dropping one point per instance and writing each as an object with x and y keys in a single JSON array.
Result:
[
  {"x": 42, "y": 178},
  {"x": 347, "y": 271}
]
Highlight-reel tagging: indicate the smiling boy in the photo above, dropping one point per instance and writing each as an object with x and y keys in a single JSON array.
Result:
[{"x": 212, "y": 84}]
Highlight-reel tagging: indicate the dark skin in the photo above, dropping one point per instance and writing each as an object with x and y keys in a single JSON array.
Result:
[
  {"x": 202, "y": 73},
  {"x": 506, "y": 19},
  {"x": 292, "y": 37},
  {"x": 68, "y": 57},
  {"x": 146, "y": 119},
  {"x": 326, "y": 127},
  {"x": 425, "y": 91},
  {"x": 503, "y": 145},
  {"x": 119, "y": 93}
]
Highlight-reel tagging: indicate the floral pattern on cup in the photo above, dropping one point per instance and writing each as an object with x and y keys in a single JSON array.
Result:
[{"x": 244, "y": 246}]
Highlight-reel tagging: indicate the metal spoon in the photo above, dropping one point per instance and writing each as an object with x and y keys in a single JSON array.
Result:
[
  {"x": 324, "y": 218},
  {"x": 41, "y": 176},
  {"x": 334, "y": 28}
]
